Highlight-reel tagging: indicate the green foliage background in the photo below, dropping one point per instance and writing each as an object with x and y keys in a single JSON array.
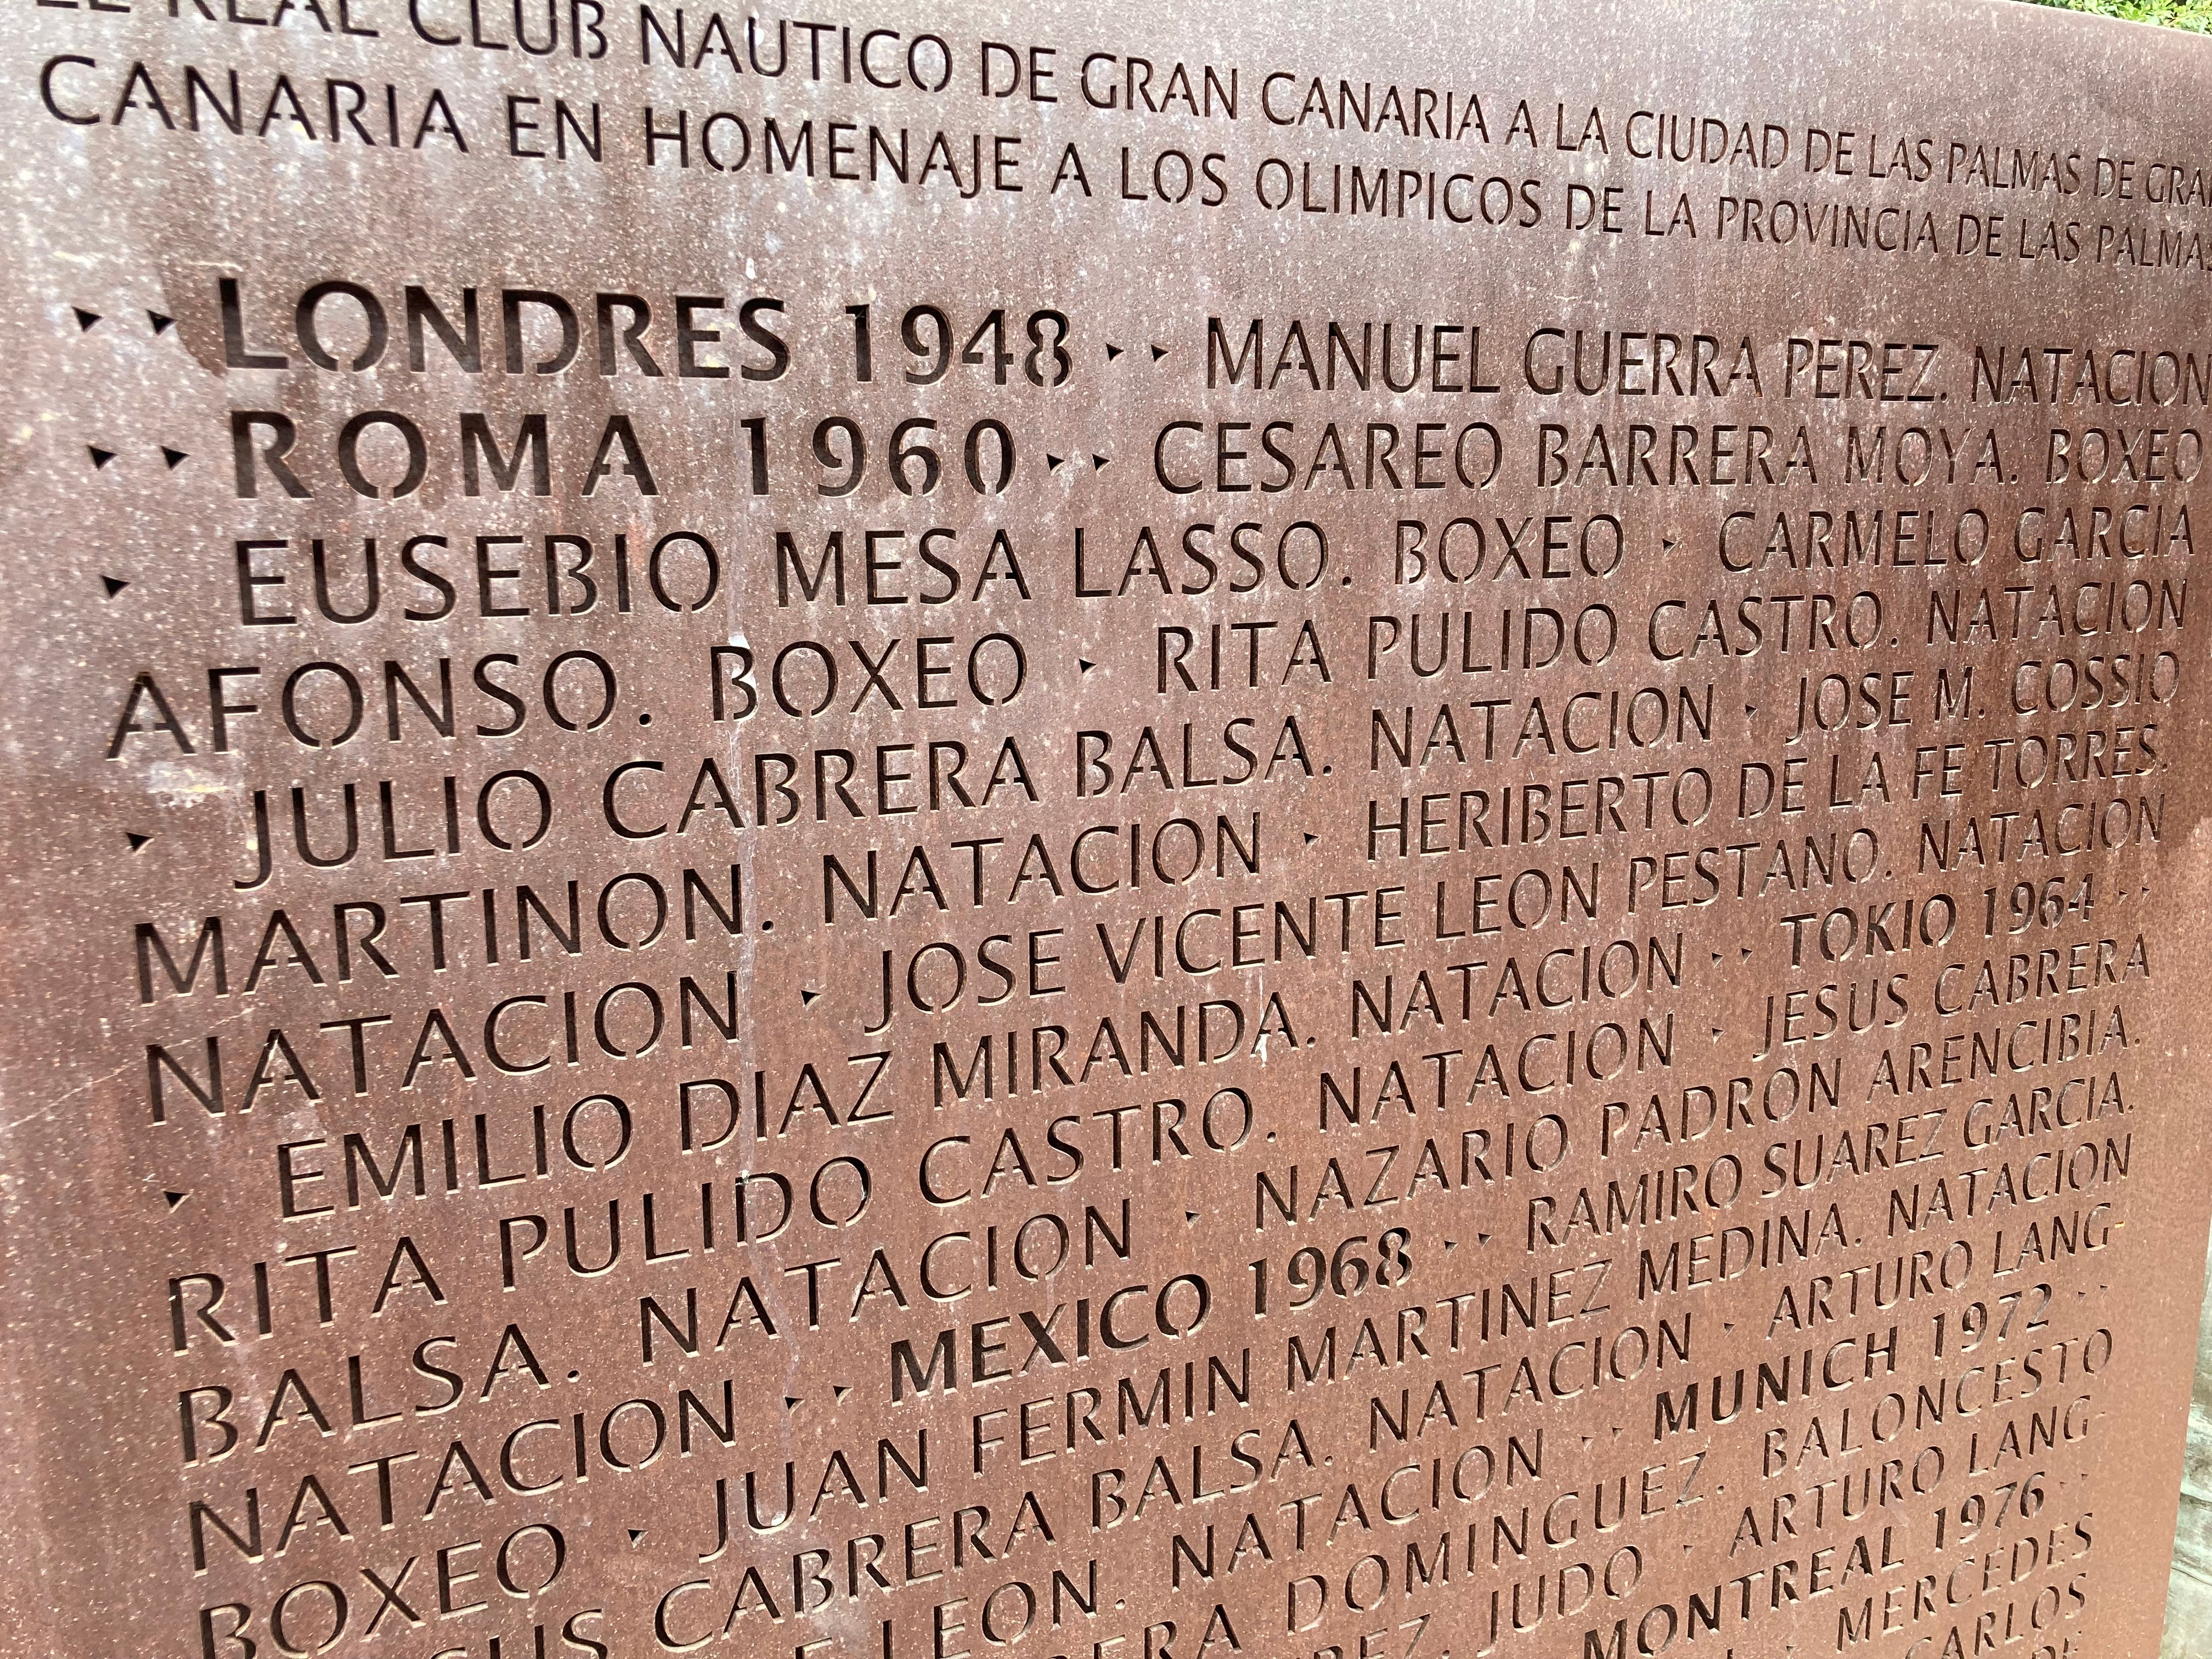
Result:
[{"x": 2173, "y": 14}]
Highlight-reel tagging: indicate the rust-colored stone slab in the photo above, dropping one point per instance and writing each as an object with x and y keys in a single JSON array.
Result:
[{"x": 1173, "y": 831}]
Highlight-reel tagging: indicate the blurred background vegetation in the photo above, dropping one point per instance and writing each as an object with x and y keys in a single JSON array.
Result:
[
  {"x": 2189, "y": 1591},
  {"x": 2173, "y": 14}
]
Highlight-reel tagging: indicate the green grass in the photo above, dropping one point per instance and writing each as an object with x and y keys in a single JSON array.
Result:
[{"x": 2195, "y": 15}]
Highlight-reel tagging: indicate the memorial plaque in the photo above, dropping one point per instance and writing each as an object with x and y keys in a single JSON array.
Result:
[{"x": 1142, "y": 833}]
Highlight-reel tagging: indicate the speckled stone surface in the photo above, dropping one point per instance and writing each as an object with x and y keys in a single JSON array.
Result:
[{"x": 1100, "y": 833}]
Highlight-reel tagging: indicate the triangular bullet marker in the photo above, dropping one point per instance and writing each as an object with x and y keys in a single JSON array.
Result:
[
  {"x": 136, "y": 840},
  {"x": 1112, "y": 352},
  {"x": 1086, "y": 666},
  {"x": 841, "y": 1389},
  {"x": 806, "y": 998},
  {"x": 100, "y": 457},
  {"x": 636, "y": 1534},
  {"x": 1099, "y": 462},
  {"x": 174, "y": 457},
  {"x": 175, "y": 1199},
  {"x": 1158, "y": 352},
  {"x": 791, "y": 1401},
  {"x": 1311, "y": 837},
  {"x": 1055, "y": 462},
  {"x": 161, "y": 324},
  {"x": 114, "y": 585},
  {"x": 85, "y": 318}
]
